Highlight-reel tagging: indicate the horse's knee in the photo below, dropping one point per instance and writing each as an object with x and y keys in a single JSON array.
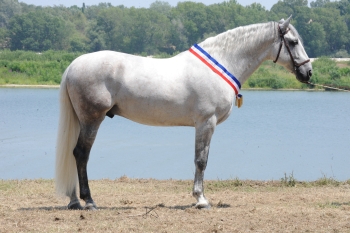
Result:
[{"x": 201, "y": 163}]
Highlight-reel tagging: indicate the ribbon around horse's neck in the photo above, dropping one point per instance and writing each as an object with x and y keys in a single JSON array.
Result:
[{"x": 219, "y": 69}]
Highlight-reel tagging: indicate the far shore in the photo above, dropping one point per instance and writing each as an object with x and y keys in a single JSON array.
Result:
[{"x": 29, "y": 86}]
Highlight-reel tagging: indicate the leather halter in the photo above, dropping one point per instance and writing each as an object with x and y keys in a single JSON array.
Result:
[{"x": 282, "y": 34}]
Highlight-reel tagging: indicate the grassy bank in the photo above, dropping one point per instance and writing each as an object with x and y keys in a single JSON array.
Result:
[
  {"x": 147, "y": 205},
  {"x": 325, "y": 71},
  {"x": 29, "y": 68}
]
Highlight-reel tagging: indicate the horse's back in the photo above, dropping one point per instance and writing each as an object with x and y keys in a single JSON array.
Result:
[{"x": 146, "y": 90}]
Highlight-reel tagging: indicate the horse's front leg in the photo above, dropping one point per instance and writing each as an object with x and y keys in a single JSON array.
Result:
[
  {"x": 81, "y": 153},
  {"x": 204, "y": 132}
]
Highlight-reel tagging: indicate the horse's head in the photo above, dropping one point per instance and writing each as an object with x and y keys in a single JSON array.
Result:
[{"x": 290, "y": 51}]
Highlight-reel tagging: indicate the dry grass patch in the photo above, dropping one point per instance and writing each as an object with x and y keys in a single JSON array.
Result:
[{"x": 147, "y": 205}]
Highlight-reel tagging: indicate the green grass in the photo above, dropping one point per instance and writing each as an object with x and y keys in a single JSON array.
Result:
[
  {"x": 272, "y": 76},
  {"x": 325, "y": 72},
  {"x": 6, "y": 185},
  {"x": 327, "y": 181},
  {"x": 288, "y": 181},
  {"x": 329, "y": 72},
  {"x": 29, "y": 68},
  {"x": 227, "y": 184}
]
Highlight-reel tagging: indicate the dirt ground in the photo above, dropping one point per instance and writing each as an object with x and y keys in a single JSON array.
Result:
[{"x": 146, "y": 205}]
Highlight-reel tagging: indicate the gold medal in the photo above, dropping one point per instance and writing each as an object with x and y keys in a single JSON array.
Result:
[{"x": 239, "y": 100}]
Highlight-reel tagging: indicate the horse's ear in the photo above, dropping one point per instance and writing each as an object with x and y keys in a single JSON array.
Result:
[{"x": 285, "y": 23}]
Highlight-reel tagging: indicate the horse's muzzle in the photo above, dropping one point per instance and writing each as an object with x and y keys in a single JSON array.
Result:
[
  {"x": 304, "y": 72},
  {"x": 309, "y": 73}
]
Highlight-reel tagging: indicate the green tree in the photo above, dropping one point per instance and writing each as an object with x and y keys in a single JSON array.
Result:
[
  {"x": 315, "y": 38},
  {"x": 162, "y": 28},
  {"x": 296, "y": 3},
  {"x": 161, "y": 7},
  {"x": 91, "y": 12},
  {"x": 334, "y": 24},
  {"x": 131, "y": 30},
  {"x": 3, "y": 38},
  {"x": 319, "y": 3},
  {"x": 37, "y": 31},
  {"x": 194, "y": 19},
  {"x": 281, "y": 10},
  {"x": 8, "y": 9},
  {"x": 255, "y": 13},
  {"x": 217, "y": 18},
  {"x": 177, "y": 35}
]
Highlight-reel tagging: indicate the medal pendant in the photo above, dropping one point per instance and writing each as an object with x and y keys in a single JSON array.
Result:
[{"x": 239, "y": 100}]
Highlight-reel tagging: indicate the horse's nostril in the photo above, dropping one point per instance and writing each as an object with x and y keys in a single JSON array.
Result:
[{"x": 310, "y": 73}]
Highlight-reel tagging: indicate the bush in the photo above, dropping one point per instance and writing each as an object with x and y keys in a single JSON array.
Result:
[
  {"x": 20, "y": 67},
  {"x": 342, "y": 53},
  {"x": 288, "y": 181},
  {"x": 326, "y": 72},
  {"x": 334, "y": 73}
]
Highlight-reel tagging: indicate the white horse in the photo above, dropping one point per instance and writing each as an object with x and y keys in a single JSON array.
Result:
[{"x": 196, "y": 88}]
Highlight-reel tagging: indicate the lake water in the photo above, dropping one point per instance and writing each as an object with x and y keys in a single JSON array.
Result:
[{"x": 273, "y": 133}]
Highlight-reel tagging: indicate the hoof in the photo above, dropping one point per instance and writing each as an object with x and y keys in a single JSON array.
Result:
[
  {"x": 202, "y": 202},
  {"x": 75, "y": 206},
  {"x": 202, "y": 206},
  {"x": 90, "y": 206}
]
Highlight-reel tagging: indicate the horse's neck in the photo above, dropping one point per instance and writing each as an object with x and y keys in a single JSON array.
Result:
[{"x": 243, "y": 49}]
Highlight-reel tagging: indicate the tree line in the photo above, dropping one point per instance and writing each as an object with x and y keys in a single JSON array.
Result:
[{"x": 163, "y": 29}]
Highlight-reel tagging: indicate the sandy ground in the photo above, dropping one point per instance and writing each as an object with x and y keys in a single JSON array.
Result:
[{"x": 140, "y": 205}]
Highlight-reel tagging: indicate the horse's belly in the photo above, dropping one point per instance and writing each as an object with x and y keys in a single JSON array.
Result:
[
  {"x": 170, "y": 102},
  {"x": 157, "y": 113},
  {"x": 158, "y": 121}
]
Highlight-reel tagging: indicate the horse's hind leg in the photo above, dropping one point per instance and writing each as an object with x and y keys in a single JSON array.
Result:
[
  {"x": 204, "y": 132},
  {"x": 81, "y": 153}
]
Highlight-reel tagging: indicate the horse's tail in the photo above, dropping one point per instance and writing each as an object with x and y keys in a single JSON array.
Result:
[{"x": 68, "y": 132}]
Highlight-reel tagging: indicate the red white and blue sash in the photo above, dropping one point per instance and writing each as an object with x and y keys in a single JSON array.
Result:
[{"x": 216, "y": 67}]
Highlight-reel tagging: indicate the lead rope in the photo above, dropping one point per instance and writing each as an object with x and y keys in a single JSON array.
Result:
[{"x": 324, "y": 86}]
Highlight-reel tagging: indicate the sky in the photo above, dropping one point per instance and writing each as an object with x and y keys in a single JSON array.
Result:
[{"x": 139, "y": 3}]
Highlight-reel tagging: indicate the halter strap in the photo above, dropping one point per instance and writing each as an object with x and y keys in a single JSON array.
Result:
[{"x": 282, "y": 34}]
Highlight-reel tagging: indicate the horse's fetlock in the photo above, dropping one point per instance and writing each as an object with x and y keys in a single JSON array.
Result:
[
  {"x": 196, "y": 193},
  {"x": 75, "y": 205},
  {"x": 86, "y": 197}
]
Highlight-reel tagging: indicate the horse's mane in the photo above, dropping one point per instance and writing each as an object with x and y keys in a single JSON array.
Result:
[{"x": 242, "y": 37}]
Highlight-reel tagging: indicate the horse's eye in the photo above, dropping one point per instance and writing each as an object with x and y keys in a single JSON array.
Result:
[{"x": 294, "y": 42}]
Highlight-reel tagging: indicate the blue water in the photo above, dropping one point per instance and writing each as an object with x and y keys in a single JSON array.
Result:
[{"x": 275, "y": 132}]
